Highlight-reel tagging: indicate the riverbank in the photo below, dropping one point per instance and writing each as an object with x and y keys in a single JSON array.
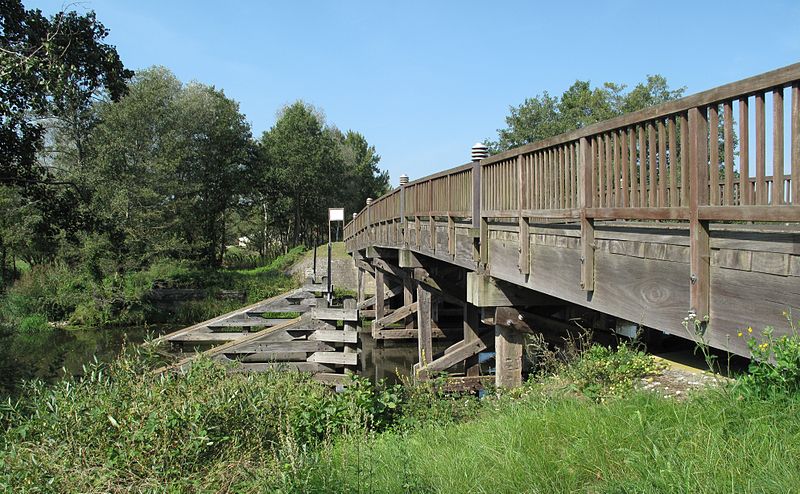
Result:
[
  {"x": 59, "y": 295},
  {"x": 584, "y": 425}
]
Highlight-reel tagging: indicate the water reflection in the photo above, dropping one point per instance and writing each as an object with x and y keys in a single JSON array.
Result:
[{"x": 51, "y": 355}]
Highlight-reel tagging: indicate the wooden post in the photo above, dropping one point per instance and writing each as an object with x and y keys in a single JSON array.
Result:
[
  {"x": 700, "y": 254},
  {"x": 360, "y": 287},
  {"x": 508, "y": 356},
  {"x": 350, "y": 327},
  {"x": 418, "y": 231},
  {"x": 476, "y": 207},
  {"x": 585, "y": 198},
  {"x": 472, "y": 321},
  {"x": 425, "y": 336},
  {"x": 380, "y": 295},
  {"x": 524, "y": 227},
  {"x": 408, "y": 299},
  {"x": 451, "y": 236}
]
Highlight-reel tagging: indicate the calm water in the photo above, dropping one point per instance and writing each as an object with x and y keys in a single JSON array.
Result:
[
  {"x": 50, "y": 355},
  {"x": 53, "y": 354}
]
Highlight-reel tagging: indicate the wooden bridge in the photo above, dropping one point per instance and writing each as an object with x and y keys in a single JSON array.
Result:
[{"x": 640, "y": 220}]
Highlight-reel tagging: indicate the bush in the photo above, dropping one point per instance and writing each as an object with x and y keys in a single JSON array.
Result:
[
  {"x": 602, "y": 372},
  {"x": 34, "y": 323},
  {"x": 775, "y": 362}
]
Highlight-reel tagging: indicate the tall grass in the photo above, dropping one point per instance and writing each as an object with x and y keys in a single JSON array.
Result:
[{"x": 640, "y": 443}]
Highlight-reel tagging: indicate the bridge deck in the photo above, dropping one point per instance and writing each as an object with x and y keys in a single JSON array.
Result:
[{"x": 642, "y": 271}]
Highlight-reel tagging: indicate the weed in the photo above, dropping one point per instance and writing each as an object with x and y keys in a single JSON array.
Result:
[{"x": 775, "y": 361}]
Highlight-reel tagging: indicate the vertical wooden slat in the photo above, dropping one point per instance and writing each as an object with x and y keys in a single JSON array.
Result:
[
  {"x": 593, "y": 166},
  {"x": 601, "y": 174},
  {"x": 684, "y": 170},
  {"x": 662, "y": 164},
  {"x": 673, "y": 161},
  {"x": 761, "y": 151},
  {"x": 642, "y": 168},
  {"x": 547, "y": 194},
  {"x": 570, "y": 175},
  {"x": 713, "y": 153},
  {"x": 616, "y": 200},
  {"x": 608, "y": 166},
  {"x": 586, "y": 189},
  {"x": 632, "y": 164},
  {"x": 699, "y": 251},
  {"x": 796, "y": 144},
  {"x": 777, "y": 147},
  {"x": 565, "y": 180},
  {"x": 727, "y": 115},
  {"x": 625, "y": 191},
  {"x": 560, "y": 178},
  {"x": 651, "y": 164},
  {"x": 745, "y": 196}
]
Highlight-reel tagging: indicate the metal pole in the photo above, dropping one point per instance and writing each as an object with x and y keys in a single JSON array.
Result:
[
  {"x": 330, "y": 284},
  {"x": 316, "y": 238}
]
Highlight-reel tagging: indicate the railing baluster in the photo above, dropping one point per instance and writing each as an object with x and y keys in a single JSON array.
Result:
[
  {"x": 662, "y": 164},
  {"x": 713, "y": 153},
  {"x": 777, "y": 147},
  {"x": 761, "y": 151},
  {"x": 673, "y": 162},
  {"x": 796, "y": 144},
  {"x": 727, "y": 115}
]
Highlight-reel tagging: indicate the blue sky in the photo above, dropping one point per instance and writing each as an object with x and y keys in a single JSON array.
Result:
[{"x": 423, "y": 81}]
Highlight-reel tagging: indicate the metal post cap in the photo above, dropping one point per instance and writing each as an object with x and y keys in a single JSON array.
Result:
[{"x": 479, "y": 151}]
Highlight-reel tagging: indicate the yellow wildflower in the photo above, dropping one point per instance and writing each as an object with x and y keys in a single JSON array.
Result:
[
  {"x": 739, "y": 334},
  {"x": 750, "y": 329}
]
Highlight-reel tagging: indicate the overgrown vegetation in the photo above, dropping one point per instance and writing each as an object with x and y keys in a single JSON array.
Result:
[
  {"x": 123, "y": 429},
  {"x": 56, "y": 292}
]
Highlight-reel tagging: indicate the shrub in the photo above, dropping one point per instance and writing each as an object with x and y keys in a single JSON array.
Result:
[
  {"x": 602, "y": 372},
  {"x": 34, "y": 323},
  {"x": 775, "y": 361}
]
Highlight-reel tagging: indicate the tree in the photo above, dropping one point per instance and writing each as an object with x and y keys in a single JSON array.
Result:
[
  {"x": 363, "y": 178},
  {"x": 166, "y": 166},
  {"x": 546, "y": 116},
  {"x": 303, "y": 164},
  {"x": 49, "y": 69}
]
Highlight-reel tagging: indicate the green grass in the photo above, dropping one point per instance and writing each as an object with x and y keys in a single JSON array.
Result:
[
  {"x": 123, "y": 429},
  {"x": 640, "y": 443}
]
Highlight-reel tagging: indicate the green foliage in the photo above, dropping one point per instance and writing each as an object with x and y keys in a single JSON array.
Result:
[
  {"x": 543, "y": 442},
  {"x": 33, "y": 323},
  {"x": 775, "y": 362},
  {"x": 602, "y": 372},
  {"x": 546, "y": 116},
  {"x": 360, "y": 405}
]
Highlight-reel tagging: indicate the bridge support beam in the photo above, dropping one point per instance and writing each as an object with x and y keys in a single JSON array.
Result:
[
  {"x": 508, "y": 344},
  {"x": 486, "y": 291},
  {"x": 380, "y": 294},
  {"x": 425, "y": 336},
  {"x": 472, "y": 322}
]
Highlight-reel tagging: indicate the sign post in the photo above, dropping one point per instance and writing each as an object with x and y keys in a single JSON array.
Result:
[{"x": 334, "y": 214}]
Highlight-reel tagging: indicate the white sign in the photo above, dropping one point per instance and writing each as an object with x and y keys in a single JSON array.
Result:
[{"x": 335, "y": 214}]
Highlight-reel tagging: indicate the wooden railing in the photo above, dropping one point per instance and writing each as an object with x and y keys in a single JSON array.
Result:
[{"x": 676, "y": 161}]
